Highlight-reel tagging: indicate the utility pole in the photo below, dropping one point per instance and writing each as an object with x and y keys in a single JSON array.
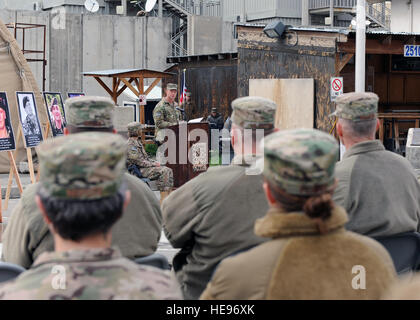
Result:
[
  {"x": 305, "y": 12},
  {"x": 360, "y": 46},
  {"x": 332, "y": 12}
]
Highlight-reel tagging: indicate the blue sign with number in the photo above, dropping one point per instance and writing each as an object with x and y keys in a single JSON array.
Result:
[{"x": 411, "y": 50}]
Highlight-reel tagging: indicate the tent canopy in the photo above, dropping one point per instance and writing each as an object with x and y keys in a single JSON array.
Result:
[
  {"x": 154, "y": 94},
  {"x": 16, "y": 76}
]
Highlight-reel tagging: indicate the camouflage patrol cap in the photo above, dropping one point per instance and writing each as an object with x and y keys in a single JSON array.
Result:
[
  {"x": 253, "y": 113},
  {"x": 82, "y": 166},
  {"x": 134, "y": 127},
  {"x": 357, "y": 106},
  {"x": 172, "y": 86},
  {"x": 300, "y": 161},
  {"x": 90, "y": 112}
]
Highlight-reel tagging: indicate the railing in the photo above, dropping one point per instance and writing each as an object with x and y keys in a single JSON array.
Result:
[
  {"x": 321, "y": 4},
  {"x": 205, "y": 8},
  {"x": 379, "y": 12}
]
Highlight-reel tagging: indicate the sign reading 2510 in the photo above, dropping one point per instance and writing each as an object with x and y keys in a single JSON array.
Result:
[{"x": 411, "y": 51}]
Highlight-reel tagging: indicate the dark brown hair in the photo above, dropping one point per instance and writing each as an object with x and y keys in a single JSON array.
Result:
[{"x": 317, "y": 207}]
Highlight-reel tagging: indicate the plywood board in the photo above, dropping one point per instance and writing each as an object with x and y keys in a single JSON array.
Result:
[
  {"x": 412, "y": 86},
  {"x": 294, "y": 99},
  {"x": 396, "y": 88}
]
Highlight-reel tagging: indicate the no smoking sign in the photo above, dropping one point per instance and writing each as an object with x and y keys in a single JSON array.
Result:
[{"x": 336, "y": 87}]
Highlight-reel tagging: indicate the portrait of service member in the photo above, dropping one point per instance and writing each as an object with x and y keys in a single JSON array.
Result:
[
  {"x": 57, "y": 120},
  {"x": 4, "y": 129},
  {"x": 30, "y": 124}
]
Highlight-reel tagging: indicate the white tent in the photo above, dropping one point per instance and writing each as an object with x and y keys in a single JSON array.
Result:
[
  {"x": 16, "y": 75},
  {"x": 155, "y": 94}
]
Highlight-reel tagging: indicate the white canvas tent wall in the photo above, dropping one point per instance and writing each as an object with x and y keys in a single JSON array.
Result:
[
  {"x": 155, "y": 94},
  {"x": 16, "y": 75}
]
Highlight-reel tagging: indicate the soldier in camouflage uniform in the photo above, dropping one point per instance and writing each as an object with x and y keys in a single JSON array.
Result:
[
  {"x": 370, "y": 177},
  {"x": 82, "y": 179},
  {"x": 136, "y": 155},
  {"x": 136, "y": 234},
  {"x": 165, "y": 115},
  {"x": 310, "y": 254},
  {"x": 212, "y": 216}
]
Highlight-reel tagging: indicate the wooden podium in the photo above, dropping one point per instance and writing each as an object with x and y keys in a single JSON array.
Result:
[{"x": 192, "y": 151}]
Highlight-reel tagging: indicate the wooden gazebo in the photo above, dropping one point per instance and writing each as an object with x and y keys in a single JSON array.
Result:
[{"x": 132, "y": 79}]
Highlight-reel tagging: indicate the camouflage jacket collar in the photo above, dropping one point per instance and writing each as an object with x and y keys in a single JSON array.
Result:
[
  {"x": 277, "y": 223},
  {"x": 100, "y": 254},
  {"x": 173, "y": 105}
]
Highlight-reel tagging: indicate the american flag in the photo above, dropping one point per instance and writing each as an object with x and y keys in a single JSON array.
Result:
[{"x": 184, "y": 88}]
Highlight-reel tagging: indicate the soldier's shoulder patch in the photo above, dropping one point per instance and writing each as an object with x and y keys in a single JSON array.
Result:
[
  {"x": 158, "y": 114},
  {"x": 133, "y": 148}
]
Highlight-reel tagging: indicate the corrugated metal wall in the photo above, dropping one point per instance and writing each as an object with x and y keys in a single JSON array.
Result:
[
  {"x": 260, "y": 10},
  {"x": 212, "y": 84}
]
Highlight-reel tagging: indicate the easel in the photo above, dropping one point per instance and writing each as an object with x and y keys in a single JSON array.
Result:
[
  {"x": 13, "y": 172},
  {"x": 13, "y": 169}
]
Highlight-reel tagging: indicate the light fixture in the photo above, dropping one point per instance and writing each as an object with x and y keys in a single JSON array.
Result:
[{"x": 274, "y": 29}]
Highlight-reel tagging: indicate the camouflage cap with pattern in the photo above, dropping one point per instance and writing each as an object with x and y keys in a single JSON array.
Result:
[
  {"x": 82, "y": 166},
  {"x": 357, "y": 106},
  {"x": 134, "y": 127},
  {"x": 300, "y": 161},
  {"x": 172, "y": 86},
  {"x": 90, "y": 112},
  {"x": 253, "y": 112}
]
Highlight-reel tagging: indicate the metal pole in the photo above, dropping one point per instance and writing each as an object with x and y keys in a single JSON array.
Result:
[
  {"x": 305, "y": 12},
  {"x": 360, "y": 45},
  {"x": 332, "y": 12},
  {"x": 160, "y": 9}
]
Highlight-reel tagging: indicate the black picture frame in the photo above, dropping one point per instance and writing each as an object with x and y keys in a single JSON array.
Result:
[
  {"x": 31, "y": 127},
  {"x": 7, "y": 143},
  {"x": 56, "y": 128}
]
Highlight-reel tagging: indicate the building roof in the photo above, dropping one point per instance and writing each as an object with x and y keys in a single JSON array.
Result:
[
  {"x": 341, "y": 30},
  {"x": 128, "y": 73}
]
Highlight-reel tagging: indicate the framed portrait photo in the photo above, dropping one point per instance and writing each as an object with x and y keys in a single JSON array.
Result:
[
  {"x": 75, "y": 94},
  {"x": 7, "y": 137},
  {"x": 29, "y": 120},
  {"x": 55, "y": 111}
]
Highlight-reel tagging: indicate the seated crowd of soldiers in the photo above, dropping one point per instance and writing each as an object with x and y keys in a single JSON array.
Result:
[{"x": 285, "y": 220}]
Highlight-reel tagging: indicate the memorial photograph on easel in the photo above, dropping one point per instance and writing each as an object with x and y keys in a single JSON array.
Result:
[
  {"x": 7, "y": 138},
  {"x": 29, "y": 120},
  {"x": 55, "y": 111}
]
